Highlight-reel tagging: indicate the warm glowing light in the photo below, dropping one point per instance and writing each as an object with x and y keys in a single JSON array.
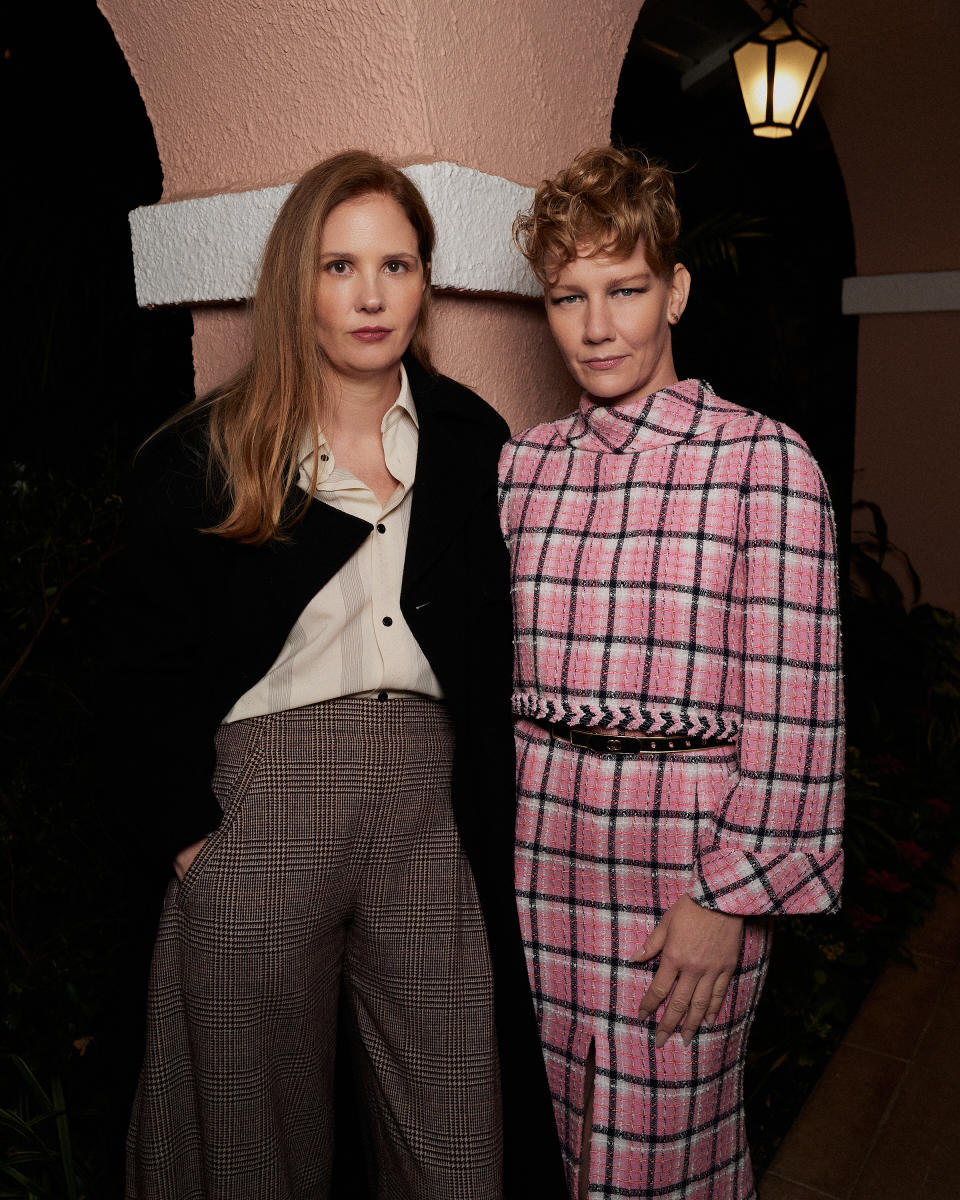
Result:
[{"x": 779, "y": 69}]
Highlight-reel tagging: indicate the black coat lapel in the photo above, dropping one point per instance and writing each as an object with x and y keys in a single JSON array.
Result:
[
  {"x": 266, "y": 588},
  {"x": 328, "y": 535},
  {"x": 448, "y": 471},
  {"x": 317, "y": 548}
]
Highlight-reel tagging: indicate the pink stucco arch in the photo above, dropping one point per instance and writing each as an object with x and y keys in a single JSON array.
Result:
[
  {"x": 244, "y": 95},
  {"x": 247, "y": 93},
  {"x": 889, "y": 98}
]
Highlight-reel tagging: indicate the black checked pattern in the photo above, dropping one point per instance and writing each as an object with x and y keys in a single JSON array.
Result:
[
  {"x": 337, "y": 856},
  {"x": 673, "y": 574}
]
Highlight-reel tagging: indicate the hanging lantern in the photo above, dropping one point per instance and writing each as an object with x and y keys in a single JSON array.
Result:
[{"x": 779, "y": 68}]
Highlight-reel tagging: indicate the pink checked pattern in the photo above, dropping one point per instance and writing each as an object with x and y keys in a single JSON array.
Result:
[{"x": 673, "y": 571}]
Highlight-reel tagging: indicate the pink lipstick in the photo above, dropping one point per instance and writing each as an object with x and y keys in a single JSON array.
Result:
[
  {"x": 604, "y": 364},
  {"x": 370, "y": 333}
]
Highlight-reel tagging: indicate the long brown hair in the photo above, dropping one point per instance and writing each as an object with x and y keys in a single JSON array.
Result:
[{"x": 259, "y": 418}]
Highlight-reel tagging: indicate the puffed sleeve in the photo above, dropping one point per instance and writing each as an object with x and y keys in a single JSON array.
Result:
[{"x": 777, "y": 842}]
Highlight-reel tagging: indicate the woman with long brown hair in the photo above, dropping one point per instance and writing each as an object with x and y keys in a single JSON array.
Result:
[{"x": 320, "y": 626}]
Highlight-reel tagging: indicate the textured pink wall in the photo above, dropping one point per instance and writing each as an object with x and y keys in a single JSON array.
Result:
[
  {"x": 221, "y": 343},
  {"x": 890, "y": 101},
  {"x": 908, "y": 440},
  {"x": 500, "y": 348},
  {"x": 244, "y": 93},
  {"x": 503, "y": 349}
]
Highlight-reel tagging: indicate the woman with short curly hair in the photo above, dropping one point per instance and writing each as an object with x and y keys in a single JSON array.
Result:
[{"x": 677, "y": 702}]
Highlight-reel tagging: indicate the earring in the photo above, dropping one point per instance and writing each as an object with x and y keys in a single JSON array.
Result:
[{"x": 673, "y": 318}]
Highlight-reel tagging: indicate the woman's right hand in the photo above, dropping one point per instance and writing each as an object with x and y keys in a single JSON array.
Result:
[{"x": 183, "y": 861}]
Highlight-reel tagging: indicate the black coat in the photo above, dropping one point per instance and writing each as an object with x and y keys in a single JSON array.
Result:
[{"x": 208, "y": 617}]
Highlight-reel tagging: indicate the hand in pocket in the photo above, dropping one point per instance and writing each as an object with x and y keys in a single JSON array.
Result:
[{"x": 184, "y": 860}]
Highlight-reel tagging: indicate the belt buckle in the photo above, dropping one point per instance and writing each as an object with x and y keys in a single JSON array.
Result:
[{"x": 599, "y": 743}]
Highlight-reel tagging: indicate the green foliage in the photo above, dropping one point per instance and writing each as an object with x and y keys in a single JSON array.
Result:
[
  {"x": 69, "y": 935},
  {"x": 56, "y": 534},
  {"x": 39, "y": 1152},
  {"x": 714, "y": 243},
  {"x": 61, "y": 919},
  {"x": 902, "y": 822},
  {"x": 57, "y": 538}
]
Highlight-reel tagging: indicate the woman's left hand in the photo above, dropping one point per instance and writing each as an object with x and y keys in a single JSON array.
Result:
[
  {"x": 699, "y": 949},
  {"x": 184, "y": 860}
]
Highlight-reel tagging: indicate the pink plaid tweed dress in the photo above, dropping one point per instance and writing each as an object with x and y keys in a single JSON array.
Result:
[{"x": 673, "y": 572}]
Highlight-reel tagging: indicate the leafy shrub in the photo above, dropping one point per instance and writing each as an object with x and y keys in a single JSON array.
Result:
[
  {"x": 63, "y": 916},
  {"x": 39, "y": 1150},
  {"x": 902, "y": 666},
  {"x": 72, "y": 978}
]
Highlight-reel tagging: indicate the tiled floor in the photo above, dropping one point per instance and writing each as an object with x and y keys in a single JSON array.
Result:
[{"x": 884, "y": 1121}]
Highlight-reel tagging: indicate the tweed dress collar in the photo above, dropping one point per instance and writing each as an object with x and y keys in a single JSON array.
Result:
[{"x": 677, "y": 413}]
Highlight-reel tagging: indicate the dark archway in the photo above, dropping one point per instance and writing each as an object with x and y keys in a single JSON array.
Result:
[
  {"x": 88, "y": 365},
  {"x": 770, "y": 334},
  {"x": 88, "y": 375},
  {"x": 767, "y": 333}
]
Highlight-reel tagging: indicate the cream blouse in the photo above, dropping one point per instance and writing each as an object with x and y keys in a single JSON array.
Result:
[{"x": 352, "y": 639}]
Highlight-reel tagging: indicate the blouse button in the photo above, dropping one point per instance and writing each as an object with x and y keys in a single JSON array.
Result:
[
  {"x": 388, "y": 620},
  {"x": 381, "y": 528}
]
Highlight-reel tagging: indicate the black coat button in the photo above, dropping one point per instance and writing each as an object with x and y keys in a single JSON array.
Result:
[
  {"x": 382, "y": 696},
  {"x": 381, "y": 528},
  {"x": 388, "y": 620}
]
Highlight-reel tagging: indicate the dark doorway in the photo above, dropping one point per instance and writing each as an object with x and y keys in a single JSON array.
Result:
[
  {"x": 767, "y": 333},
  {"x": 86, "y": 365},
  {"x": 769, "y": 239},
  {"x": 88, "y": 375}
]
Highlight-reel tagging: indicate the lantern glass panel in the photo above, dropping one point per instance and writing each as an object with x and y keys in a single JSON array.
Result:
[
  {"x": 751, "y": 63},
  {"x": 795, "y": 61},
  {"x": 814, "y": 84}
]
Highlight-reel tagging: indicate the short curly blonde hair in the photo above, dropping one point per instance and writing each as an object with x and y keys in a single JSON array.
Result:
[{"x": 609, "y": 199}]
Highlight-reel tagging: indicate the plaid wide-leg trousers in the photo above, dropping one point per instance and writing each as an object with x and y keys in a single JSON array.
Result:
[{"x": 337, "y": 868}]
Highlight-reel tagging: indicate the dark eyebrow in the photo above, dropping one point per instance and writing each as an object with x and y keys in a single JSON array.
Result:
[
  {"x": 613, "y": 284},
  {"x": 346, "y": 254},
  {"x": 626, "y": 280}
]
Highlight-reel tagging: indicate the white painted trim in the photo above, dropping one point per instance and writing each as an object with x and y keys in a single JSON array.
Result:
[
  {"x": 919, "y": 291},
  {"x": 196, "y": 251}
]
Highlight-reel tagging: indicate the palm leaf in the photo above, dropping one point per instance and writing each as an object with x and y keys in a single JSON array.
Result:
[{"x": 713, "y": 244}]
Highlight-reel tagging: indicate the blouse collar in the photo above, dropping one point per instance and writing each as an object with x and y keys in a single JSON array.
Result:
[
  {"x": 403, "y": 408},
  {"x": 677, "y": 413}
]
